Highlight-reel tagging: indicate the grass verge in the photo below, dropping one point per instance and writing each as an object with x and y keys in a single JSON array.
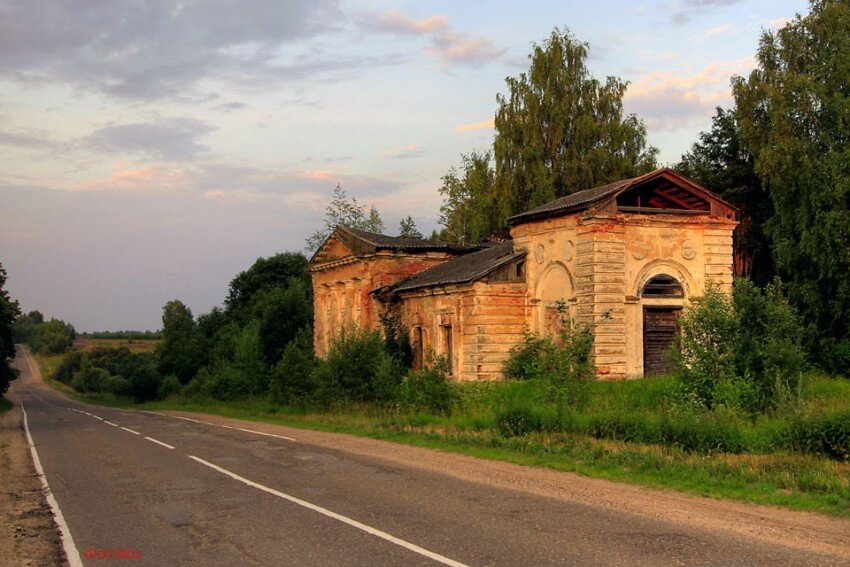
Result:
[{"x": 789, "y": 479}]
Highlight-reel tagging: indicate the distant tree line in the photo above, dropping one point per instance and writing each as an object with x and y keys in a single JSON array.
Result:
[{"x": 47, "y": 337}]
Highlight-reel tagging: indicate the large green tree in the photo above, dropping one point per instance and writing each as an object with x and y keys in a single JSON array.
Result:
[
  {"x": 560, "y": 130},
  {"x": 266, "y": 273},
  {"x": 9, "y": 311},
  {"x": 794, "y": 115},
  {"x": 721, "y": 163},
  {"x": 345, "y": 210},
  {"x": 469, "y": 213},
  {"x": 177, "y": 356}
]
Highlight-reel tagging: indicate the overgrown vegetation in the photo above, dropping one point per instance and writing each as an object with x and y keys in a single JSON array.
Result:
[
  {"x": 47, "y": 337},
  {"x": 9, "y": 310}
]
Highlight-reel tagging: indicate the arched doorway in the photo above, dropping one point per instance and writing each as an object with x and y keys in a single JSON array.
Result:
[{"x": 662, "y": 298}]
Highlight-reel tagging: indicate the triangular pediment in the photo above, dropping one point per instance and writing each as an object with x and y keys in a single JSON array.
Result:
[{"x": 334, "y": 248}]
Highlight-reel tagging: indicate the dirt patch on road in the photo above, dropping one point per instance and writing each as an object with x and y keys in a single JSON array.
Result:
[
  {"x": 28, "y": 534},
  {"x": 801, "y": 530}
]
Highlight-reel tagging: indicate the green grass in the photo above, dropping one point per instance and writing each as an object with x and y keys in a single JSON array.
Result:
[
  {"x": 778, "y": 477},
  {"x": 5, "y": 405}
]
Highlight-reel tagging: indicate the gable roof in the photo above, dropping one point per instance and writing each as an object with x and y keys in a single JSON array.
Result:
[
  {"x": 588, "y": 198},
  {"x": 461, "y": 270},
  {"x": 362, "y": 242}
]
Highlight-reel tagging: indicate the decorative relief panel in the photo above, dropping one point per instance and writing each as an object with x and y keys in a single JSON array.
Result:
[
  {"x": 640, "y": 249},
  {"x": 539, "y": 253},
  {"x": 568, "y": 250},
  {"x": 688, "y": 250}
]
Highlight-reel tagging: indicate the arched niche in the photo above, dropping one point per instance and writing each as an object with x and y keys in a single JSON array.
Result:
[{"x": 554, "y": 286}]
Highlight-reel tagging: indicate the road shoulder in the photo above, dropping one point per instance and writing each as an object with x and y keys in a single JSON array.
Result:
[
  {"x": 805, "y": 531},
  {"x": 28, "y": 534}
]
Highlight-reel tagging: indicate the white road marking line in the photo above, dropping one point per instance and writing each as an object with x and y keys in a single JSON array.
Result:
[
  {"x": 96, "y": 416},
  {"x": 221, "y": 425},
  {"x": 180, "y": 417},
  {"x": 110, "y": 423},
  {"x": 264, "y": 433},
  {"x": 159, "y": 442},
  {"x": 67, "y": 541},
  {"x": 339, "y": 517},
  {"x": 130, "y": 430}
]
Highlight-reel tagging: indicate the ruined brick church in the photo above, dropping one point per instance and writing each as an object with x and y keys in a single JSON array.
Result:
[{"x": 624, "y": 258}]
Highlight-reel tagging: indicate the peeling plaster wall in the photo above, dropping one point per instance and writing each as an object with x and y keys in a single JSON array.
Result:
[
  {"x": 603, "y": 260},
  {"x": 342, "y": 290},
  {"x": 486, "y": 320}
]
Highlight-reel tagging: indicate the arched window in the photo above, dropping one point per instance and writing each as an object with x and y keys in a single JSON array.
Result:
[{"x": 663, "y": 286}]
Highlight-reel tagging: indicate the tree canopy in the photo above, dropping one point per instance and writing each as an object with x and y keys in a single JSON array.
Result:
[
  {"x": 345, "y": 210},
  {"x": 721, "y": 162},
  {"x": 794, "y": 116},
  {"x": 560, "y": 130},
  {"x": 407, "y": 228},
  {"x": 9, "y": 311}
]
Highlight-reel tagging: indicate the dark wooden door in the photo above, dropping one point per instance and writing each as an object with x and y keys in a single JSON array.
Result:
[{"x": 659, "y": 331}]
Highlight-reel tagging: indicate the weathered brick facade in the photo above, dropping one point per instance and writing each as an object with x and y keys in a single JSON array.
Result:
[{"x": 623, "y": 258}]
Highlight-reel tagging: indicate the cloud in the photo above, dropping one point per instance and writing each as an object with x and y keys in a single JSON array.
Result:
[
  {"x": 151, "y": 50},
  {"x": 778, "y": 23},
  {"x": 23, "y": 140},
  {"x": 164, "y": 138},
  {"x": 668, "y": 101},
  {"x": 720, "y": 29},
  {"x": 404, "y": 152},
  {"x": 684, "y": 10},
  {"x": 450, "y": 46},
  {"x": 147, "y": 179},
  {"x": 472, "y": 126}
]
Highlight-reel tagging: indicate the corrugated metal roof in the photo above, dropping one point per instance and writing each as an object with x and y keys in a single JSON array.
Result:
[
  {"x": 463, "y": 269},
  {"x": 402, "y": 242}
]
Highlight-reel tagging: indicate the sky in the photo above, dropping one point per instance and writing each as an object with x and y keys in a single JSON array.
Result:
[{"x": 151, "y": 150}]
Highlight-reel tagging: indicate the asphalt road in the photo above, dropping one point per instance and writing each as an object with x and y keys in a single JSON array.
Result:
[{"x": 181, "y": 492}]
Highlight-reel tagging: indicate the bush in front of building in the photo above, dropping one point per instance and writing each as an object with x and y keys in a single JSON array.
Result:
[
  {"x": 358, "y": 368},
  {"x": 429, "y": 389},
  {"x": 739, "y": 352},
  {"x": 565, "y": 361}
]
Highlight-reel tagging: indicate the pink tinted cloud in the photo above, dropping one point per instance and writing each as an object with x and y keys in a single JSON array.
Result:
[
  {"x": 472, "y": 126},
  {"x": 446, "y": 44},
  {"x": 156, "y": 178},
  {"x": 668, "y": 101}
]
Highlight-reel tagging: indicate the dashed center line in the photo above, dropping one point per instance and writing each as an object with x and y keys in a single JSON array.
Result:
[
  {"x": 110, "y": 423},
  {"x": 158, "y": 442},
  {"x": 130, "y": 430},
  {"x": 339, "y": 517}
]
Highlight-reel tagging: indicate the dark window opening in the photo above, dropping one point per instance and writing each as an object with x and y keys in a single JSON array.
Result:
[
  {"x": 418, "y": 349},
  {"x": 447, "y": 346},
  {"x": 520, "y": 270},
  {"x": 663, "y": 286}
]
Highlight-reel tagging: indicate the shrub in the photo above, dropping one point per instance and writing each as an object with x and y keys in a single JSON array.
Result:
[
  {"x": 170, "y": 385},
  {"x": 521, "y": 420},
  {"x": 524, "y": 360},
  {"x": 565, "y": 362},
  {"x": 826, "y": 434},
  {"x": 357, "y": 368},
  {"x": 739, "y": 352},
  {"x": 429, "y": 389},
  {"x": 291, "y": 378},
  {"x": 68, "y": 366}
]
